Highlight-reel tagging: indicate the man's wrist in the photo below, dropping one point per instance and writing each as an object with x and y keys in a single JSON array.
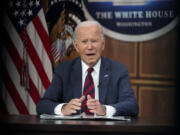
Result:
[
  {"x": 58, "y": 109},
  {"x": 110, "y": 110},
  {"x": 62, "y": 109},
  {"x": 104, "y": 108}
]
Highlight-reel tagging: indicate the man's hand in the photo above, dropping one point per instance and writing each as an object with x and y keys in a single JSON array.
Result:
[
  {"x": 95, "y": 106},
  {"x": 73, "y": 106}
]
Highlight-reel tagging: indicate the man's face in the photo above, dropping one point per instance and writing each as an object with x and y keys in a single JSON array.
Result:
[{"x": 89, "y": 44}]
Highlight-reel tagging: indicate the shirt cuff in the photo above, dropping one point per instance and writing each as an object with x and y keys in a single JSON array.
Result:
[
  {"x": 110, "y": 111},
  {"x": 57, "y": 109}
]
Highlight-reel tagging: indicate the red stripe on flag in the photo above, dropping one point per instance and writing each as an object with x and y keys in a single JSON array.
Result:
[
  {"x": 56, "y": 57},
  {"x": 43, "y": 35},
  {"x": 53, "y": 49},
  {"x": 17, "y": 61},
  {"x": 36, "y": 61},
  {"x": 34, "y": 92},
  {"x": 56, "y": 53},
  {"x": 15, "y": 95}
]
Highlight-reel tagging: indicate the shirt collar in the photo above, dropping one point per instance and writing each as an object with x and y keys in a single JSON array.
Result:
[{"x": 95, "y": 67}]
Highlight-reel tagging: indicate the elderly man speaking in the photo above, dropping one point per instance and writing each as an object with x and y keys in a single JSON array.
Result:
[{"x": 89, "y": 84}]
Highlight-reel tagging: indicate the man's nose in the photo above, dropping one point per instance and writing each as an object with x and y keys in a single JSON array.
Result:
[{"x": 89, "y": 46}]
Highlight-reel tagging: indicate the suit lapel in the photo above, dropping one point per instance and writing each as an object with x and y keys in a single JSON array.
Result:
[
  {"x": 76, "y": 79},
  {"x": 103, "y": 80}
]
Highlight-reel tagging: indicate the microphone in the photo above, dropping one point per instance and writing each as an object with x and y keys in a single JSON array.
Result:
[{"x": 99, "y": 85}]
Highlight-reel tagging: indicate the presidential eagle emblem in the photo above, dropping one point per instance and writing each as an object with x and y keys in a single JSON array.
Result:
[{"x": 62, "y": 18}]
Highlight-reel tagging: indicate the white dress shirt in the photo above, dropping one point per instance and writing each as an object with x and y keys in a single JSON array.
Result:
[{"x": 110, "y": 111}]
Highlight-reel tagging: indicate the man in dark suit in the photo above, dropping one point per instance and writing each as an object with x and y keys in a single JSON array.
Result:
[{"x": 109, "y": 90}]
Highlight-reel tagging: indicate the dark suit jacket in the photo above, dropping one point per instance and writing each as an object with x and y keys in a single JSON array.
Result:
[{"x": 114, "y": 87}]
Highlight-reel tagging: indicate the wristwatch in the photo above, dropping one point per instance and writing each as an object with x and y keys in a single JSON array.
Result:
[{"x": 104, "y": 109}]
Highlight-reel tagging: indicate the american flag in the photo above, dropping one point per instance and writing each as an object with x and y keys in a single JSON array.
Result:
[
  {"x": 26, "y": 57},
  {"x": 58, "y": 46}
]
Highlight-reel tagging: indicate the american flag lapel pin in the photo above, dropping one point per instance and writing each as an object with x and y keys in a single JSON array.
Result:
[{"x": 106, "y": 75}]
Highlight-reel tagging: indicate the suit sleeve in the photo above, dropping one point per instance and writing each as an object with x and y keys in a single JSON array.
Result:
[
  {"x": 127, "y": 104},
  {"x": 51, "y": 97}
]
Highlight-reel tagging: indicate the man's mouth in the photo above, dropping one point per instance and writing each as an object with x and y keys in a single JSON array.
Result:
[{"x": 90, "y": 54}]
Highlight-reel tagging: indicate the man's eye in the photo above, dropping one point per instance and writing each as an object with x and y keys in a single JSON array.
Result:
[
  {"x": 84, "y": 41},
  {"x": 94, "y": 41}
]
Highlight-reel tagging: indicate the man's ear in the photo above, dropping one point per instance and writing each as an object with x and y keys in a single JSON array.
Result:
[
  {"x": 76, "y": 46},
  {"x": 103, "y": 42}
]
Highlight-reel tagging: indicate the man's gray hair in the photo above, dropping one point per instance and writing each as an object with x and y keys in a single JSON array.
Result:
[{"x": 88, "y": 23}]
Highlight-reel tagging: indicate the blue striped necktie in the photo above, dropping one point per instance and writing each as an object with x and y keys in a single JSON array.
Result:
[{"x": 88, "y": 90}]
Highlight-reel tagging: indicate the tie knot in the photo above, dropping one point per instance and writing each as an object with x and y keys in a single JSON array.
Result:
[{"x": 90, "y": 70}]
